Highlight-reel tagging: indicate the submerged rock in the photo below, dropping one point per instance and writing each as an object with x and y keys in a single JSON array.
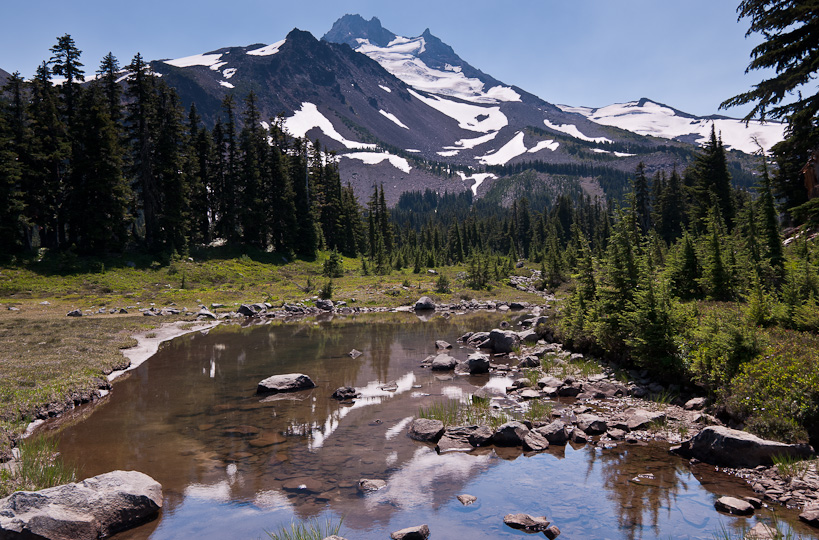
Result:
[
  {"x": 291, "y": 382},
  {"x": 345, "y": 393},
  {"x": 368, "y": 484},
  {"x": 443, "y": 362},
  {"x": 526, "y": 522},
  {"x": 94, "y": 508}
]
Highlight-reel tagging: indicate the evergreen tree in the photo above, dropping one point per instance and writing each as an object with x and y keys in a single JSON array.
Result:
[
  {"x": 254, "y": 172},
  {"x": 279, "y": 194},
  {"x": 642, "y": 198},
  {"x": 711, "y": 182},
  {"x": 169, "y": 169},
  {"x": 11, "y": 195},
  {"x": 770, "y": 224},
  {"x": 65, "y": 63},
  {"x": 199, "y": 173},
  {"x": 99, "y": 201},
  {"x": 108, "y": 74}
]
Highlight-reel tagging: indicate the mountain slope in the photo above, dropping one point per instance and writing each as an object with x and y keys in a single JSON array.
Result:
[
  {"x": 4, "y": 77},
  {"x": 406, "y": 112},
  {"x": 648, "y": 117}
]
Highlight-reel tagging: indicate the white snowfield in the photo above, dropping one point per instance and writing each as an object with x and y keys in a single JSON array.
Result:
[
  {"x": 514, "y": 148},
  {"x": 660, "y": 121},
  {"x": 393, "y": 118},
  {"x": 309, "y": 117},
  {"x": 400, "y": 57},
  {"x": 374, "y": 158},
  {"x": 267, "y": 50},
  {"x": 479, "y": 179},
  {"x": 571, "y": 129},
  {"x": 469, "y": 117},
  {"x": 206, "y": 60}
]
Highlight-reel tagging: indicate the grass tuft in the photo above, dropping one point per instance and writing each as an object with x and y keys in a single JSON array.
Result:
[
  {"x": 306, "y": 530},
  {"x": 40, "y": 466}
]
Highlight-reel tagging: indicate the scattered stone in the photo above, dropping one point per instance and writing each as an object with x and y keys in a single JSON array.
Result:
[
  {"x": 756, "y": 503},
  {"x": 810, "y": 516},
  {"x": 718, "y": 445},
  {"x": 355, "y": 353},
  {"x": 74, "y": 313},
  {"x": 526, "y": 522},
  {"x": 426, "y": 430},
  {"x": 732, "y": 505},
  {"x": 528, "y": 336},
  {"x": 420, "y": 532},
  {"x": 443, "y": 362},
  {"x": 425, "y": 303},
  {"x": 529, "y": 362},
  {"x": 503, "y": 341},
  {"x": 94, "y": 508},
  {"x": 695, "y": 404},
  {"x": 466, "y": 500},
  {"x": 324, "y": 305},
  {"x": 345, "y": 393},
  {"x": 592, "y": 424},
  {"x": 366, "y": 484},
  {"x": 535, "y": 441},
  {"x": 641, "y": 419},
  {"x": 552, "y": 532},
  {"x": 477, "y": 363},
  {"x": 267, "y": 439},
  {"x": 556, "y": 433},
  {"x": 291, "y": 382},
  {"x": 205, "y": 314},
  {"x": 441, "y": 344},
  {"x": 302, "y": 485},
  {"x": 578, "y": 436},
  {"x": 760, "y": 531},
  {"x": 510, "y": 434},
  {"x": 246, "y": 310},
  {"x": 456, "y": 439}
]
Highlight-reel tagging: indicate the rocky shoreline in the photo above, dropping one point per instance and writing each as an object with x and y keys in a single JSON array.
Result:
[{"x": 605, "y": 407}]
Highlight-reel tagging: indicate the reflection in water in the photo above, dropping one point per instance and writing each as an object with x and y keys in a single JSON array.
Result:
[{"x": 233, "y": 464}]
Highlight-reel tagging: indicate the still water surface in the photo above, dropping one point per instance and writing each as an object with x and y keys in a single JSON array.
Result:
[{"x": 233, "y": 464}]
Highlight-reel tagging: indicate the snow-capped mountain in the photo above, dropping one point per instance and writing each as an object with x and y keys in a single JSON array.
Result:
[
  {"x": 648, "y": 117},
  {"x": 408, "y": 112}
]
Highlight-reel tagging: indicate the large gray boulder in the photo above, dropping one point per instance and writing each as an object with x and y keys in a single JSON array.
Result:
[
  {"x": 425, "y": 303},
  {"x": 443, "y": 362},
  {"x": 591, "y": 424},
  {"x": 426, "y": 430},
  {"x": 503, "y": 341},
  {"x": 477, "y": 363},
  {"x": 291, "y": 382},
  {"x": 510, "y": 434},
  {"x": 420, "y": 532},
  {"x": 556, "y": 433},
  {"x": 94, "y": 508},
  {"x": 718, "y": 445}
]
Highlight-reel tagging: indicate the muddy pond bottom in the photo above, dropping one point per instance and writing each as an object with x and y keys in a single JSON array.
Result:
[{"x": 235, "y": 465}]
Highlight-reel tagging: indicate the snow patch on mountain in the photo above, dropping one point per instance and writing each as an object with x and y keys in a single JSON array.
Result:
[
  {"x": 393, "y": 118},
  {"x": 550, "y": 144},
  {"x": 226, "y": 84},
  {"x": 571, "y": 129},
  {"x": 479, "y": 179},
  {"x": 267, "y": 50},
  {"x": 309, "y": 117},
  {"x": 469, "y": 117},
  {"x": 508, "y": 151},
  {"x": 374, "y": 158},
  {"x": 448, "y": 153},
  {"x": 385, "y": 88},
  {"x": 206, "y": 60},
  {"x": 646, "y": 117},
  {"x": 228, "y": 73},
  {"x": 400, "y": 57},
  {"x": 472, "y": 143}
]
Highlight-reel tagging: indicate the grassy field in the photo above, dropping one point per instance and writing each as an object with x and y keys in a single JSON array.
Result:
[{"x": 47, "y": 357}]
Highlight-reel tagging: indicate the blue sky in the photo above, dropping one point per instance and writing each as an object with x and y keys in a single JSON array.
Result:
[{"x": 691, "y": 55}]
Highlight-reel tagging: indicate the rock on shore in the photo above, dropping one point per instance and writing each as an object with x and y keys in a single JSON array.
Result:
[
  {"x": 94, "y": 508},
  {"x": 720, "y": 445}
]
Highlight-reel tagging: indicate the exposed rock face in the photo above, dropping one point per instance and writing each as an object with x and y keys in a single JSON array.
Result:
[
  {"x": 732, "y": 505},
  {"x": 424, "y": 303},
  {"x": 426, "y": 430},
  {"x": 291, "y": 382},
  {"x": 420, "y": 532},
  {"x": 325, "y": 305},
  {"x": 94, "y": 508},
  {"x": 719, "y": 445}
]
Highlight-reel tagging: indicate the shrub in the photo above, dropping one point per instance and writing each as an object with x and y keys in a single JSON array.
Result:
[
  {"x": 333, "y": 267},
  {"x": 442, "y": 284},
  {"x": 326, "y": 292}
]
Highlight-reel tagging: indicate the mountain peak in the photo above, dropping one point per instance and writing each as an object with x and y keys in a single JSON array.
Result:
[{"x": 349, "y": 28}]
